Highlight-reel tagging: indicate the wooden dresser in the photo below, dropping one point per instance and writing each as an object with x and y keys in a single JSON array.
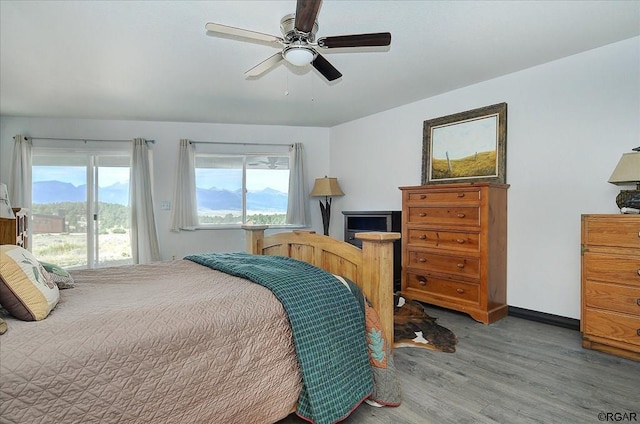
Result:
[
  {"x": 610, "y": 316},
  {"x": 454, "y": 247},
  {"x": 14, "y": 230}
]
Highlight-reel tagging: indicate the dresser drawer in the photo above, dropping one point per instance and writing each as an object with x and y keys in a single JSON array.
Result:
[
  {"x": 612, "y": 268},
  {"x": 446, "y": 240},
  {"x": 458, "y": 196},
  {"x": 619, "y": 231},
  {"x": 453, "y": 216},
  {"x": 454, "y": 290},
  {"x": 612, "y": 297},
  {"x": 466, "y": 267},
  {"x": 611, "y": 325}
]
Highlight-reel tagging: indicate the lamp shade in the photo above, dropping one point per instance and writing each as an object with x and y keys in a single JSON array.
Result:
[
  {"x": 627, "y": 171},
  {"x": 326, "y": 186}
]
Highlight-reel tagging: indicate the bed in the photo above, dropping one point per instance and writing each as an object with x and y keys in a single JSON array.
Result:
[{"x": 176, "y": 341}]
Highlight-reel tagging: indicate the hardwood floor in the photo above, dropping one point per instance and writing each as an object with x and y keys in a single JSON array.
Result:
[{"x": 512, "y": 371}]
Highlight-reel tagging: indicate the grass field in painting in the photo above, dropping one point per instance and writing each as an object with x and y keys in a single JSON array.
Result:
[{"x": 482, "y": 164}]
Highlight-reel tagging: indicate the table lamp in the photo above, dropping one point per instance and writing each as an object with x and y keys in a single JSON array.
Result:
[
  {"x": 326, "y": 187},
  {"x": 628, "y": 172}
]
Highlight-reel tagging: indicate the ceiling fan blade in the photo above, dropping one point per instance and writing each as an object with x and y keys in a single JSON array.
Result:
[
  {"x": 325, "y": 68},
  {"x": 356, "y": 40},
  {"x": 244, "y": 33},
  {"x": 265, "y": 65},
  {"x": 306, "y": 13}
]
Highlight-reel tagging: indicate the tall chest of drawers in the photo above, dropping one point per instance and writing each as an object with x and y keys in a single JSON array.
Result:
[
  {"x": 610, "y": 316},
  {"x": 454, "y": 247}
]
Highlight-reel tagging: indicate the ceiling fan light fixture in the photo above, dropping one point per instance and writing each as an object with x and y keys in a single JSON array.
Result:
[{"x": 299, "y": 55}]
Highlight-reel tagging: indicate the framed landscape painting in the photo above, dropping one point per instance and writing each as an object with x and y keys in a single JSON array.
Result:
[{"x": 466, "y": 147}]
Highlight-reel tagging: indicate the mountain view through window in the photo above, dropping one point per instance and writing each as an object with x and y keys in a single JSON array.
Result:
[
  {"x": 238, "y": 189},
  {"x": 80, "y": 215}
]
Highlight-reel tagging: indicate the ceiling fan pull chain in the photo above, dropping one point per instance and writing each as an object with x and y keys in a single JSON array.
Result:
[{"x": 286, "y": 84}]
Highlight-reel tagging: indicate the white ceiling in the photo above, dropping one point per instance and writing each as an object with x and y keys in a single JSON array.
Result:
[{"x": 154, "y": 60}]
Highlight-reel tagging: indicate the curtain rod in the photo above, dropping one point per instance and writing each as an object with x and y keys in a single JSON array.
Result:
[
  {"x": 235, "y": 144},
  {"x": 82, "y": 139}
]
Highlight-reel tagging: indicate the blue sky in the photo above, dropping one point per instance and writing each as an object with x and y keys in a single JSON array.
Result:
[
  {"x": 77, "y": 175},
  {"x": 229, "y": 179},
  {"x": 465, "y": 139}
]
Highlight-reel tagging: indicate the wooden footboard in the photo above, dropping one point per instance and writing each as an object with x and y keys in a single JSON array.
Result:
[{"x": 370, "y": 267}]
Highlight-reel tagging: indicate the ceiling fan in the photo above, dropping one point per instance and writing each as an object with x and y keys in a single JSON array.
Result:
[{"x": 299, "y": 45}]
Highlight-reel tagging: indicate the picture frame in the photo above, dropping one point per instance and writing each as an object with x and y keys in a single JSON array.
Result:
[{"x": 468, "y": 146}]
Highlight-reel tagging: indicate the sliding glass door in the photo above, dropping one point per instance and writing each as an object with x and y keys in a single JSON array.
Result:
[
  {"x": 80, "y": 208},
  {"x": 112, "y": 214}
]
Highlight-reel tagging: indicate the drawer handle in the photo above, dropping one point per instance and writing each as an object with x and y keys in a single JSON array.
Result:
[
  {"x": 460, "y": 266},
  {"x": 422, "y": 214},
  {"x": 461, "y": 215},
  {"x": 423, "y": 237},
  {"x": 460, "y": 194},
  {"x": 460, "y": 241},
  {"x": 638, "y": 331},
  {"x": 460, "y": 291},
  {"x": 422, "y": 259},
  {"x": 638, "y": 301},
  {"x": 638, "y": 272},
  {"x": 422, "y": 281},
  {"x": 423, "y": 196}
]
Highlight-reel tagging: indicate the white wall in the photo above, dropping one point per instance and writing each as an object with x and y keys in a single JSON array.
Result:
[
  {"x": 165, "y": 151},
  {"x": 569, "y": 121}
]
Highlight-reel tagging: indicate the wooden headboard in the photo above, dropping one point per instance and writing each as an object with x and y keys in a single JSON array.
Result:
[{"x": 371, "y": 267}]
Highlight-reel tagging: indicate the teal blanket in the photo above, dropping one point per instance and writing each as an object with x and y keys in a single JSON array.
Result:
[{"x": 327, "y": 325}]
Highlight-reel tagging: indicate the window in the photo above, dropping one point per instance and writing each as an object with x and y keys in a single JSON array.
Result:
[
  {"x": 234, "y": 189},
  {"x": 80, "y": 208}
]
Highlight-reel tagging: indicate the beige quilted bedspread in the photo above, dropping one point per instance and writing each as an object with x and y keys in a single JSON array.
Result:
[{"x": 172, "y": 342}]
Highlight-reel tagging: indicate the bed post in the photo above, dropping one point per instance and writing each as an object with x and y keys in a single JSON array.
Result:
[
  {"x": 377, "y": 275},
  {"x": 254, "y": 238}
]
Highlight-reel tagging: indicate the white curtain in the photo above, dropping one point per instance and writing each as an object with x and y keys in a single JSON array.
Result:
[
  {"x": 20, "y": 181},
  {"x": 185, "y": 214},
  {"x": 298, "y": 206},
  {"x": 144, "y": 237}
]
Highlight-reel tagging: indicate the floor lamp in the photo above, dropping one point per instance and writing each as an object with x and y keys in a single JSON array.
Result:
[{"x": 327, "y": 187}]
